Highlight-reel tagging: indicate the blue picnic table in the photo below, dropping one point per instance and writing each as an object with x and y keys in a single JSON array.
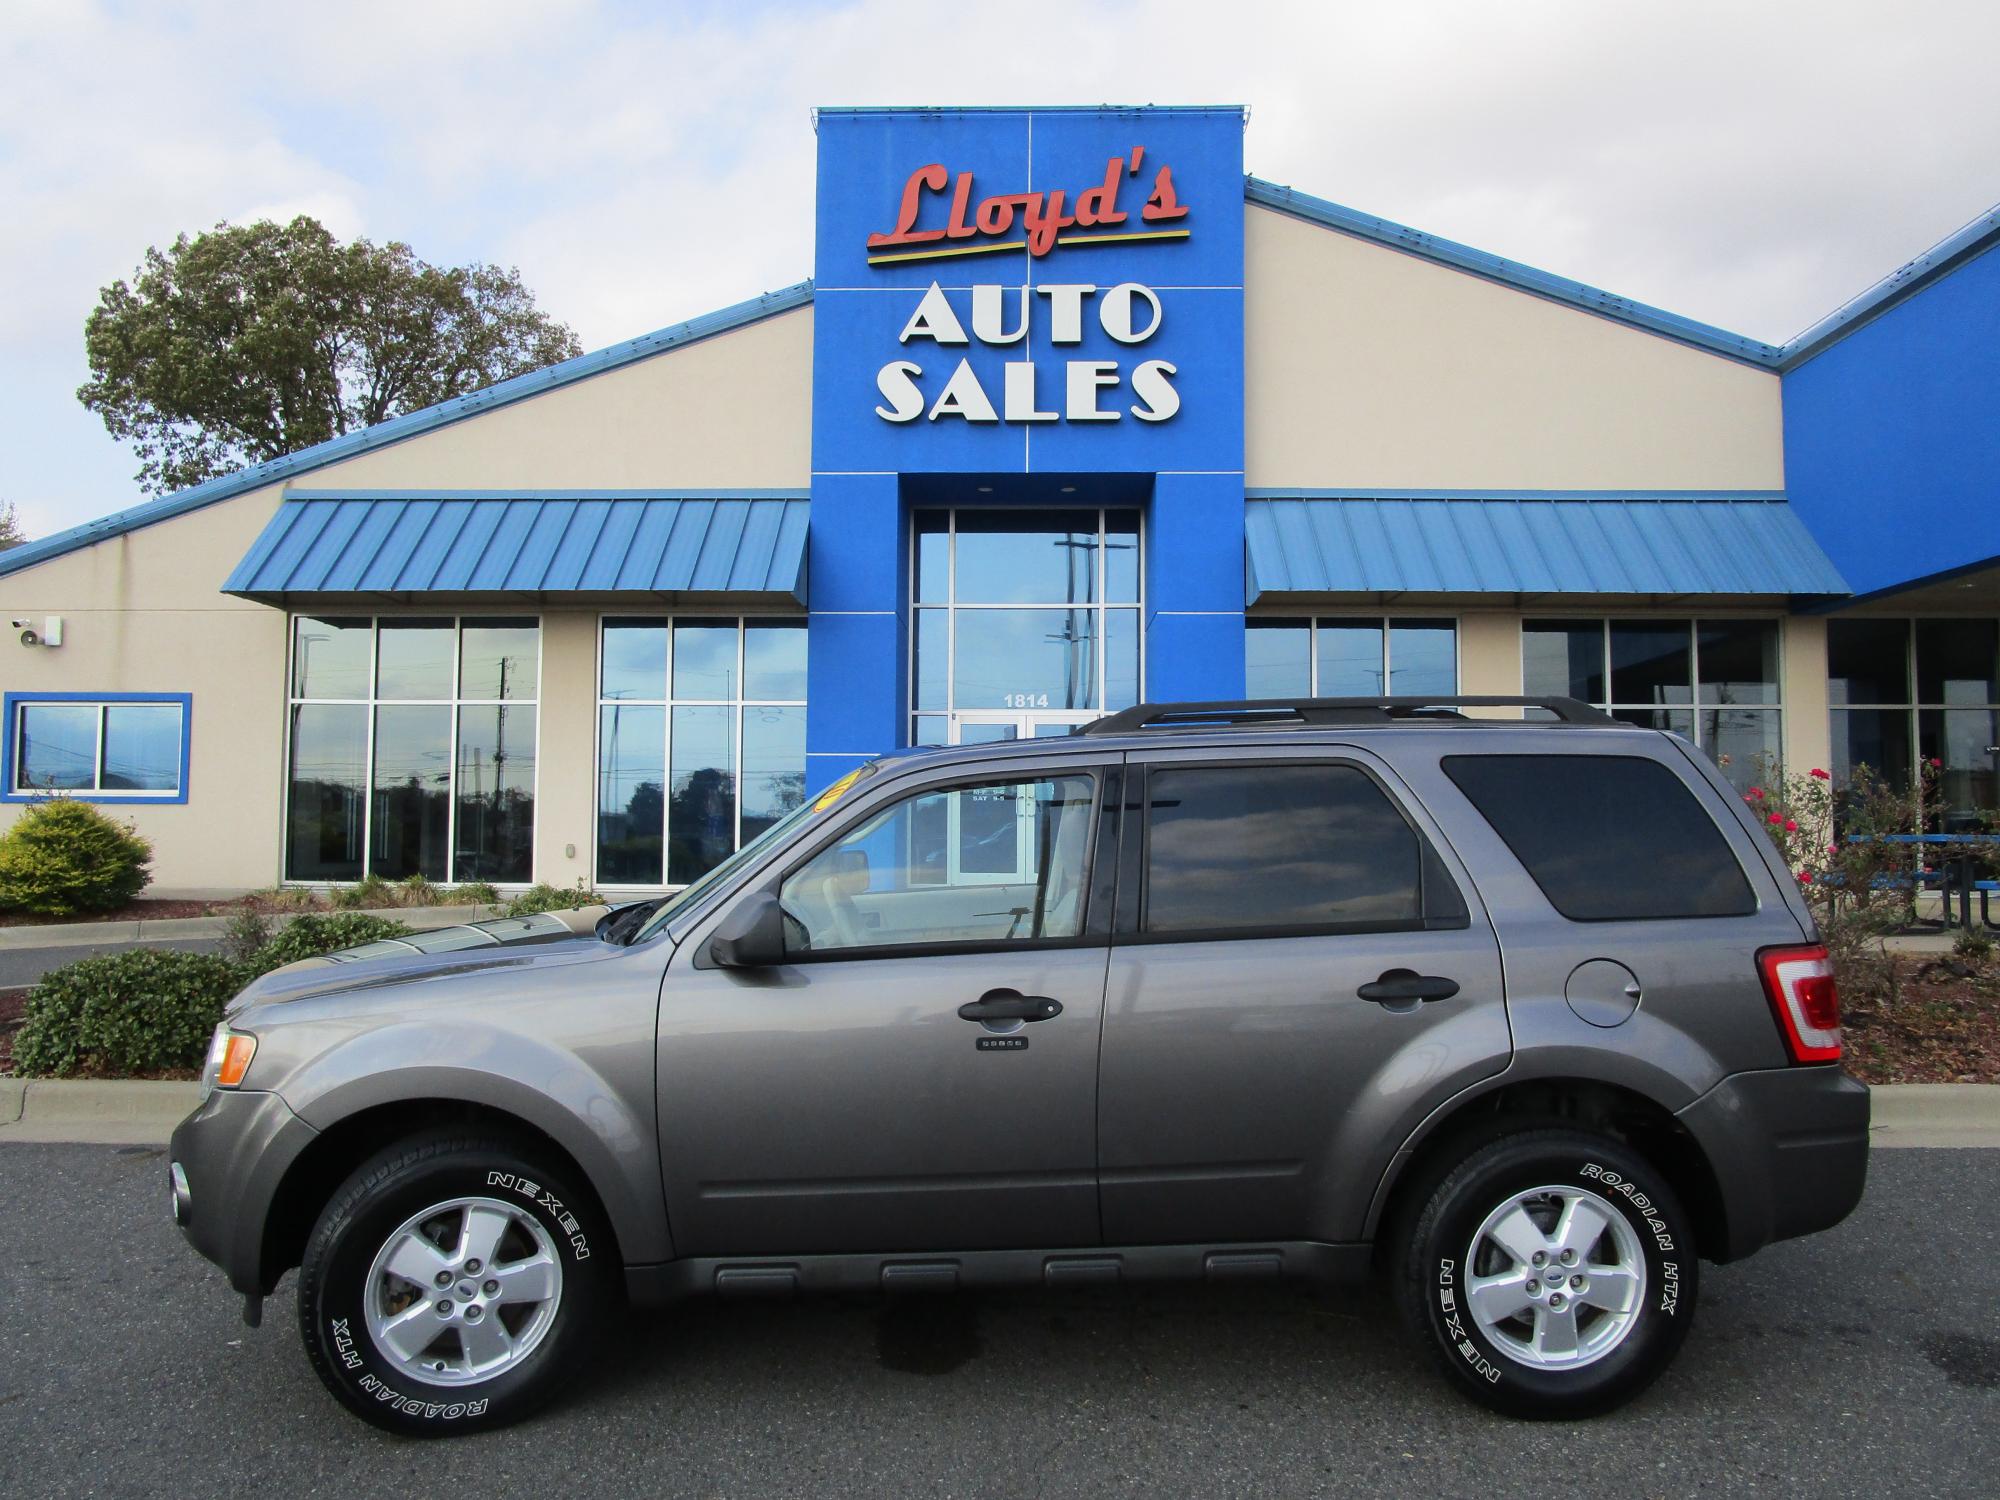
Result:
[{"x": 1962, "y": 851}]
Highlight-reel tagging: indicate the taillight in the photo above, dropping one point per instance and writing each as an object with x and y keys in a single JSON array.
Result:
[{"x": 1799, "y": 982}]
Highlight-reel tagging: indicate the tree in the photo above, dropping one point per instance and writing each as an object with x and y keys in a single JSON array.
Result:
[
  {"x": 11, "y": 534},
  {"x": 250, "y": 342}
]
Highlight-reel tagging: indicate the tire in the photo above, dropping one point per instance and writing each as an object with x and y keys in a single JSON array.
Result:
[
  {"x": 515, "y": 1329},
  {"x": 1574, "y": 1193}
]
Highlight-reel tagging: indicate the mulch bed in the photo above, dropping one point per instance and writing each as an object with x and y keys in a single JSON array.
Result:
[
  {"x": 136, "y": 911},
  {"x": 1941, "y": 1026},
  {"x": 12, "y": 1003}
]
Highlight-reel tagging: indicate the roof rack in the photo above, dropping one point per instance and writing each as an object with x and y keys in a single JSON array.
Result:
[{"x": 1296, "y": 713}]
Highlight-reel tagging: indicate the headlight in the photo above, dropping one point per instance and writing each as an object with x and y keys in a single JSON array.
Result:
[{"x": 229, "y": 1055}]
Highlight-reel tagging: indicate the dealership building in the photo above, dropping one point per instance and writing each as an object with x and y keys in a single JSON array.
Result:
[{"x": 1072, "y": 414}]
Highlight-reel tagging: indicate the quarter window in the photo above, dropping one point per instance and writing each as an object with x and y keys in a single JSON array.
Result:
[
  {"x": 1000, "y": 863},
  {"x": 412, "y": 748},
  {"x": 130, "y": 748},
  {"x": 1607, "y": 838},
  {"x": 1241, "y": 849},
  {"x": 701, "y": 741}
]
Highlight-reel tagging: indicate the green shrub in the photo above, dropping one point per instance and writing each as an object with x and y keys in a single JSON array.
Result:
[
  {"x": 141, "y": 1011},
  {"x": 245, "y": 935},
  {"x": 546, "y": 897},
  {"x": 310, "y": 935},
  {"x": 472, "y": 893},
  {"x": 415, "y": 890},
  {"x": 369, "y": 891},
  {"x": 63, "y": 857}
]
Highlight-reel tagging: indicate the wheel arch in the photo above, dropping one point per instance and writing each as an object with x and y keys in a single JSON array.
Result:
[
  {"x": 313, "y": 1177},
  {"x": 1510, "y": 1105}
]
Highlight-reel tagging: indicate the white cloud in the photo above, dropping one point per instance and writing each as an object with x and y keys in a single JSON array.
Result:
[{"x": 1752, "y": 166}]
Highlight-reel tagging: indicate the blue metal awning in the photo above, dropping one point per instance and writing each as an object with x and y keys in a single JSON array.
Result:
[
  {"x": 527, "y": 546},
  {"x": 1542, "y": 544}
]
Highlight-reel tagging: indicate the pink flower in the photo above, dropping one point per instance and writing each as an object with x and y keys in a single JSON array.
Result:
[
  {"x": 1757, "y": 791},
  {"x": 1805, "y": 877},
  {"x": 1936, "y": 764},
  {"x": 1790, "y": 826},
  {"x": 1817, "y": 774},
  {"x": 1776, "y": 818},
  {"x": 1833, "y": 848}
]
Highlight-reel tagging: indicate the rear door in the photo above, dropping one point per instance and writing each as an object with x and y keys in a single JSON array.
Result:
[{"x": 1247, "y": 1078}]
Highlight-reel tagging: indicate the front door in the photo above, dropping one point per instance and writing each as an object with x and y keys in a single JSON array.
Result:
[
  {"x": 1248, "y": 1076},
  {"x": 984, "y": 726},
  {"x": 848, "y": 1100}
]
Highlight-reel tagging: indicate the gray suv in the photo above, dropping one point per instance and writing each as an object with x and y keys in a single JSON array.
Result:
[{"x": 1524, "y": 1013}]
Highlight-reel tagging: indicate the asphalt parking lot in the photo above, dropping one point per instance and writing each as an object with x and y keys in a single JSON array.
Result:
[{"x": 1863, "y": 1362}]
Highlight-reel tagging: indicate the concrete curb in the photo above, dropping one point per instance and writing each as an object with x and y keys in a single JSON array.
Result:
[
  {"x": 171, "y": 929},
  {"x": 110, "y": 1112},
  {"x": 144, "y": 1113}
]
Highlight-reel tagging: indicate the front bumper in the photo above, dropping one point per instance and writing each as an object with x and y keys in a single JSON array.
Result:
[
  {"x": 225, "y": 1164},
  {"x": 1789, "y": 1149}
]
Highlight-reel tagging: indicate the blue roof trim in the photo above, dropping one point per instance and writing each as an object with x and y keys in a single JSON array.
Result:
[
  {"x": 396, "y": 429},
  {"x": 653, "y": 545},
  {"x": 1567, "y": 544},
  {"x": 1729, "y": 497},
  {"x": 1031, "y": 109},
  {"x": 1511, "y": 273},
  {"x": 1947, "y": 255}
]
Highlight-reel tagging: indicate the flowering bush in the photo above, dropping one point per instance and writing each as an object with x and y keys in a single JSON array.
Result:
[{"x": 1859, "y": 887}]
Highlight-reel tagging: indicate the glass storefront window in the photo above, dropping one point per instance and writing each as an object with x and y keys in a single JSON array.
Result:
[
  {"x": 1657, "y": 669},
  {"x": 701, "y": 741},
  {"x": 1345, "y": 657},
  {"x": 412, "y": 748},
  {"x": 1927, "y": 689},
  {"x": 67, "y": 745},
  {"x": 1019, "y": 611}
]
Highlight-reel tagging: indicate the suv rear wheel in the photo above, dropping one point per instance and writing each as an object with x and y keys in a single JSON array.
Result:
[
  {"x": 451, "y": 1284},
  {"x": 1553, "y": 1272}
]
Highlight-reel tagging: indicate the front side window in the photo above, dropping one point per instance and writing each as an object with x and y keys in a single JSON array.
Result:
[
  {"x": 1712, "y": 682},
  {"x": 1348, "y": 657},
  {"x": 701, "y": 741},
  {"x": 412, "y": 748},
  {"x": 997, "y": 863},
  {"x": 128, "y": 748},
  {"x": 1235, "y": 850}
]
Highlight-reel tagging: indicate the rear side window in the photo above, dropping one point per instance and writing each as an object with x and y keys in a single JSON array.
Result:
[
  {"x": 1607, "y": 838},
  {"x": 1237, "y": 849}
]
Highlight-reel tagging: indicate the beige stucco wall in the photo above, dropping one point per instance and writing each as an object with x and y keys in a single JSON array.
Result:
[
  {"x": 142, "y": 612},
  {"x": 1366, "y": 366},
  {"x": 731, "y": 412}
]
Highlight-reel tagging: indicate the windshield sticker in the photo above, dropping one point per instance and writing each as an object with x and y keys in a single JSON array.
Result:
[{"x": 838, "y": 790}]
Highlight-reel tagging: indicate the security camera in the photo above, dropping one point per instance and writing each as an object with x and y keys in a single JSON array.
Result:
[{"x": 20, "y": 624}]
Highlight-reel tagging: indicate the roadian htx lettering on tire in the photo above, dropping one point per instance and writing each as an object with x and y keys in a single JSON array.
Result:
[
  {"x": 1552, "y": 1272},
  {"x": 453, "y": 1283}
]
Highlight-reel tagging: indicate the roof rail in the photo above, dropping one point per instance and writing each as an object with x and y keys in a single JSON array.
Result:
[{"x": 1283, "y": 713}]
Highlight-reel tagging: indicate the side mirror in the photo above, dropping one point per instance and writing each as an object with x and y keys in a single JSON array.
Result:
[{"x": 752, "y": 936}]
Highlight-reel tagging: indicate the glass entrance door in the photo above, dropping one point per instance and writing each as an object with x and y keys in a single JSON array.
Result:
[{"x": 974, "y": 727}]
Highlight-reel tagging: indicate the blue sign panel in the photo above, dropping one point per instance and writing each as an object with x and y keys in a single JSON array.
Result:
[{"x": 1022, "y": 299}]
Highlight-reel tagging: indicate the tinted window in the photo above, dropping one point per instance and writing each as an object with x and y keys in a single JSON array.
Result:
[
  {"x": 981, "y": 864},
  {"x": 1607, "y": 838},
  {"x": 1269, "y": 847}
]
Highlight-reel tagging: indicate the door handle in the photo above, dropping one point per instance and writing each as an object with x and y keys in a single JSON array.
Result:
[
  {"x": 1010, "y": 1005},
  {"x": 1403, "y": 986}
]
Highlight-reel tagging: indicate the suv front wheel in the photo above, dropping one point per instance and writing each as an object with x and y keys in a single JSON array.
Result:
[
  {"x": 451, "y": 1284},
  {"x": 1554, "y": 1273}
]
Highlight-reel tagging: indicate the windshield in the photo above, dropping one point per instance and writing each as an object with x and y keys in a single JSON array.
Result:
[{"x": 751, "y": 851}]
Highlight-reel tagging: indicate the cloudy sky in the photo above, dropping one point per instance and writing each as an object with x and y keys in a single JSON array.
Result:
[{"x": 1752, "y": 164}]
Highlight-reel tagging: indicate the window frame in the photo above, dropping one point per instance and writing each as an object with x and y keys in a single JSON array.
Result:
[
  {"x": 1385, "y": 623},
  {"x": 373, "y": 702},
  {"x": 1914, "y": 707},
  {"x": 1694, "y": 708},
  {"x": 1100, "y": 859},
  {"x": 950, "y": 607},
  {"x": 13, "y": 701},
  {"x": 669, "y": 619},
  {"x": 1136, "y": 866}
]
